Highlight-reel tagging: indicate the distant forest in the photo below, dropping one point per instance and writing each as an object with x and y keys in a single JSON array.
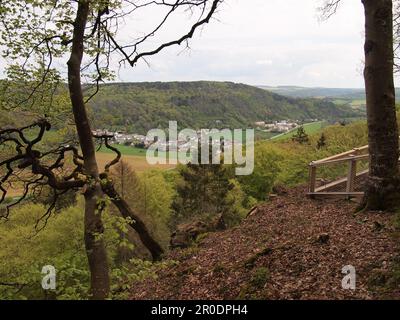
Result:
[{"x": 314, "y": 92}]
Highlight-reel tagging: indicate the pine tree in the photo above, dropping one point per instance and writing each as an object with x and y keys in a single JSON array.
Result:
[
  {"x": 301, "y": 136},
  {"x": 321, "y": 142},
  {"x": 202, "y": 192}
]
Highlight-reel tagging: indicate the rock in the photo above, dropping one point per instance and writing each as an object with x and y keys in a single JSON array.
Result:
[
  {"x": 377, "y": 226},
  {"x": 378, "y": 277},
  {"x": 323, "y": 238},
  {"x": 185, "y": 234}
]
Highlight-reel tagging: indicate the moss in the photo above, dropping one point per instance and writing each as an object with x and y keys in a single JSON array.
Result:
[
  {"x": 219, "y": 268},
  {"x": 260, "y": 278},
  {"x": 378, "y": 278},
  {"x": 396, "y": 220},
  {"x": 189, "y": 270},
  {"x": 189, "y": 252},
  {"x": 384, "y": 282},
  {"x": 257, "y": 282},
  {"x": 250, "y": 262},
  {"x": 201, "y": 237},
  {"x": 223, "y": 290}
]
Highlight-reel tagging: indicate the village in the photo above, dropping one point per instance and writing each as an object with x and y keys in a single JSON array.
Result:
[
  {"x": 183, "y": 143},
  {"x": 179, "y": 144},
  {"x": 280, "y": 126}
]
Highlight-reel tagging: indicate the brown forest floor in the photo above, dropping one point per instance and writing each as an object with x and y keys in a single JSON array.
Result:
[{"x": 274, "y": 254}]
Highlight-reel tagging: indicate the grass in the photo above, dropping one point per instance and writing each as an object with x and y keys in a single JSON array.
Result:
[
  {"x": 129, "y": 151},
  {"x": 310, "y": 128},
  {"x": 341, "y": 102},
  {"x": 357, "y": 103},
  {"x": 263, "y": 135},
  {"x": 125, "y": 150}
]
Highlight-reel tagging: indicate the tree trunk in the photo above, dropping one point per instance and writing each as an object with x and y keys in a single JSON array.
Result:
[
  {"x": 136, "y": 223},
  {"x": 383, "y": 184},
  {"x": 95, "y": 249}
]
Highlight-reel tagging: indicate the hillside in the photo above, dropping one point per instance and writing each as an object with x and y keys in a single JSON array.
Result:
[
  {"x": 320, "y": 92},
  {"x": 142, "y": 106},
  {"x": 289, "y": 248}
]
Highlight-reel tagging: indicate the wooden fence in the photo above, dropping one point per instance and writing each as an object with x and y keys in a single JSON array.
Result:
[{"x": 349, "y": 184}]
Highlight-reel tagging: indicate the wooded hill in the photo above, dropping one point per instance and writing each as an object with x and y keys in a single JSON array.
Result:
[
  {"x": 320, "y": 92},
  {"x": 142, "y": 106}
]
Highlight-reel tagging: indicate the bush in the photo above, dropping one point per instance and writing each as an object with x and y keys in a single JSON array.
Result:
[
  {"x": 25, "y": 251},
  {"x": 266, "y": 169}
]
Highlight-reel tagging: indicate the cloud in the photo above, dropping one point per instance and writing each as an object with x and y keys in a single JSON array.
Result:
[
  {"x": 258, "y": 42},
  {"x": 264, "y": 62},
  {"x": 268, "y": 42}
]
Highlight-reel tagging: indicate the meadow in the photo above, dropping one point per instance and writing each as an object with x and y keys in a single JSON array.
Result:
[
  {"x": 310, "y": 128},
  {"x": 137, "y": 162}
]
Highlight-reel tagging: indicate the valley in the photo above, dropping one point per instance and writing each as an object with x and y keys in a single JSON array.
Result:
[{"x": 139, "y": 107}]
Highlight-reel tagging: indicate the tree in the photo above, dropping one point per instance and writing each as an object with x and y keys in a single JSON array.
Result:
[
  {"x": 301, "y": 136},
  {"x": 202, "y": 192},
  {"x": 383, "y": 183},
  {"x": 383, "y": 187},
  {"x": 259, "y": 184},
  {"x": 36, "y": 34},
  {"x": 321, "y": 142},
  {"x": 126, "y": 182},
  {"x": 150, "y": 196}
]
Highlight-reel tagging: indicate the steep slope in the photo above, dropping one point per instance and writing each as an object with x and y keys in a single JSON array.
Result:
[
  {"x": 142, "y": 106},
  {"x": 290, "y": 248}
]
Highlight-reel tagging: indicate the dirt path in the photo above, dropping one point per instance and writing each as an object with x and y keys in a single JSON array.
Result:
[{"x": 290, "y": 248}]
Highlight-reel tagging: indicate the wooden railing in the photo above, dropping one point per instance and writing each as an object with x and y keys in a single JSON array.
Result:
[{"x": 341, "y": 186}]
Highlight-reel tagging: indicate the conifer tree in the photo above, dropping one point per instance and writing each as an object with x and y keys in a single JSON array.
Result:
[
  {"x": 321, "y": 142},
  {"x": 202, "y": 192},
  {"x": 301, "y": 136}
]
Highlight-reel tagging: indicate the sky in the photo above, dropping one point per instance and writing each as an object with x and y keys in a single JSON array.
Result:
[
  {"x": 257, "y": 42},
  {"x": 265, "y": 42}
]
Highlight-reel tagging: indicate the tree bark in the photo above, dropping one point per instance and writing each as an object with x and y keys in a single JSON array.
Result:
[
  {"x": 93, "y": 225},
  {"x": 383, "y": 184},
  {"x": 135, "y": 222}
]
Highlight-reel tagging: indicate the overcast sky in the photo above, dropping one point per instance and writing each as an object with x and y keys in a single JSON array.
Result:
[
  {"x": 267, "y": 42},
  {"x": 259, "y": 42}
]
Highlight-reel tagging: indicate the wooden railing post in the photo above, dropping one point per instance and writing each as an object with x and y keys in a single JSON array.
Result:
[
  {"x": 313, "y": 178},
  {"x": 351, "y": 175}
]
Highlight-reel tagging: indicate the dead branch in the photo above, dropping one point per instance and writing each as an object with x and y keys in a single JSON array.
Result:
[{"x": 25, "y": 157}]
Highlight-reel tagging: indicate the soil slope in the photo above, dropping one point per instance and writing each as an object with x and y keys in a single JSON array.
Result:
[{"x": 289, "y": 248}]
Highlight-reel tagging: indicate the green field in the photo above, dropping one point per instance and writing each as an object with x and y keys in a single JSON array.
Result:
[
  {"x": 126, "y": 150},
  {"x": 263, "y": 135},
  {"x": 353, "y": 103},
  {"x": 358, "y": 103},
  {"x": 310, "y": 128},
  {"x": 341, "y": 102}
]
